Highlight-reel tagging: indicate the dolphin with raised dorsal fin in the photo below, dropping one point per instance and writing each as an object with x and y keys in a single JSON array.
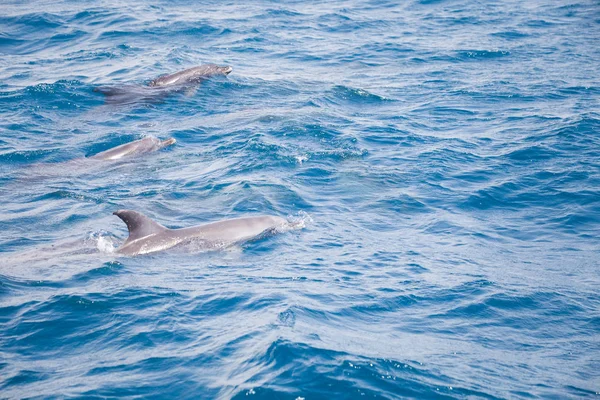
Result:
[
  {"x": 145, "y": 145},
  {"x": 148, "y": 236}
]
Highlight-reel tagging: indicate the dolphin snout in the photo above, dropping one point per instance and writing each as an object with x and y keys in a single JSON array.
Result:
[{"x": 169, "y": 142}]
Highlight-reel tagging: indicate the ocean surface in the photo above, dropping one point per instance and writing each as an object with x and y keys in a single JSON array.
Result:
[{"x": 439, "y": 160}]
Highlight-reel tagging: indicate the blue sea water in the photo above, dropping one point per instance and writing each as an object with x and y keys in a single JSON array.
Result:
[{"x": 442, "y": 158}]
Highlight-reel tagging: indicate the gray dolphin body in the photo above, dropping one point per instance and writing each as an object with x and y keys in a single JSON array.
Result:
[
  {"x": 148, "y": 236},
  {"x": 145, "y": 145},
  {"x": 163, "y": 86},
  {"x": 191, "y": 75}
]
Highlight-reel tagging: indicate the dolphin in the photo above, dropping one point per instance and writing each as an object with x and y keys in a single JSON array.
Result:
[
  {"x": 158, "y": 88},
  {"x": 145, "y": 145},
  {"x": 191, "y": 75},
  {"x": 148, "y": 236},
  {"x": 84, "y": 165}
]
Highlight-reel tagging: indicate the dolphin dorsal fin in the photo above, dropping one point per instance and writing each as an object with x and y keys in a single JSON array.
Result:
[{"x": 138, "y": 224}]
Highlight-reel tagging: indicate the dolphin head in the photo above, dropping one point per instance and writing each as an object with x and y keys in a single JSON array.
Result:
[
  {"x": 225, "y": 70},
  {"x": 150, "y": 144},
  {"x": 168, "y": 142},
  {"x": 208, "y": 70}
]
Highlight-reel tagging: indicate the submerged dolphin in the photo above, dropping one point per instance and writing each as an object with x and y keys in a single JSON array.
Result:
[
  {"x": 164, "y": 85},
  {"x": 145, "y": 145},
  {"x": 147, "y": 236},
  {"x": 84, "y": 165}
]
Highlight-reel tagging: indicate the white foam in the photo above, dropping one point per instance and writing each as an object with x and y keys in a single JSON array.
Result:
[
  {"x": 297, "y": 221},
  {"x": 301, "y": 158},
  {"x": 104, "y": 242}
]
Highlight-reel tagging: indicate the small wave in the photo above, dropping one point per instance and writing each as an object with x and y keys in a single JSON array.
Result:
[
  {"x": 60, "y": 95},
  {"x": 467, "y": 55},
  {"x": 109, "y": 268},
  {"x": 104, "y": 18},
  {"x": 37, "y": 21},
  {"x": 510, "y": 35},
  {"x": 279, "y": 12},
  {"x": 25, "y": 156},
  {"x": 335, "y": 154},
  {"x": 347, "y": 375},
  {"x": 90, "y": 55},
  {"x": 67, "y": 194},
  {"x": 305, "y": 143},
  {"x": 574, "y": 131},
  {"x": 355, "y": 95},
  {"x": 10, "y": 45}
]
